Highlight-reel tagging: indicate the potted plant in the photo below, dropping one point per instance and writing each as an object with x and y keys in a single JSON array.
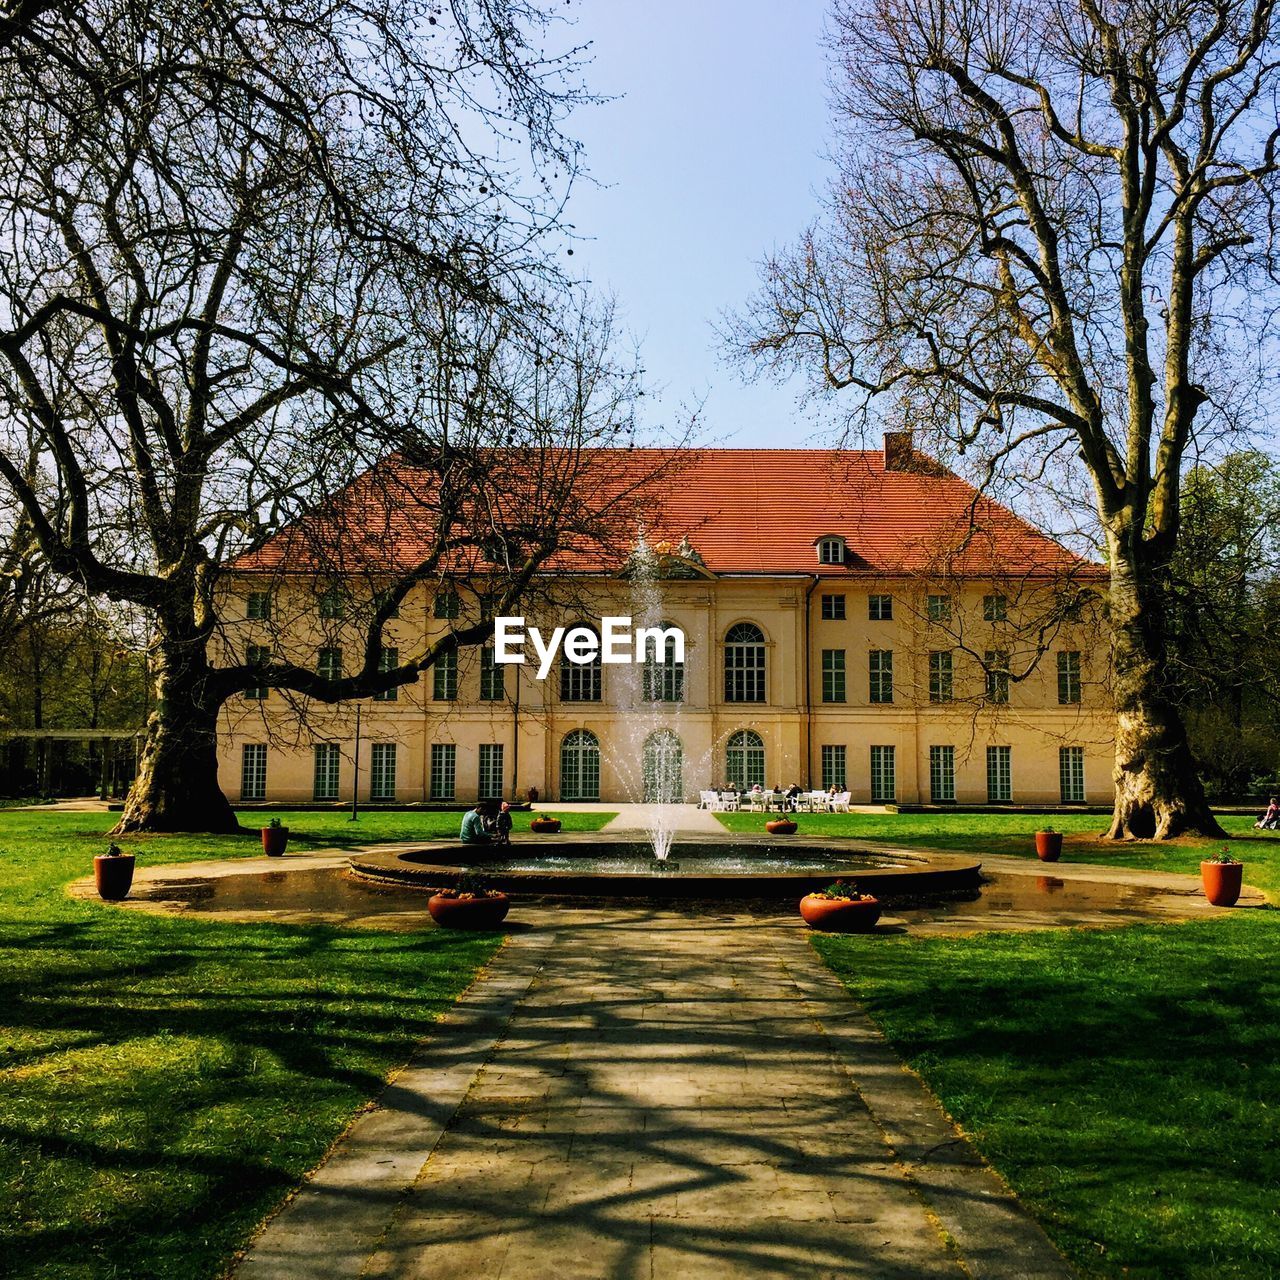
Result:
[
  {"x": 275, "y": 836},
  {"x": 544, "y": 824},
  {"x": 780, "y": 826},
  {"x": 1221, "y": 876},
  {"x": 840, "y": 908},
  {"x": 469, "y": 906},
  {"x": 113, "y": 873},
  {"x": 1048, "y": 844}
]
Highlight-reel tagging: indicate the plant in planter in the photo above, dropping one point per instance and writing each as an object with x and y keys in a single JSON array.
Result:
[
  {"x": 113, "y": 873},
  {"x": 544, "y": 824},
  {"x": 471, "y": 905},
  {"x": 1221, "y": 876},
  {"x": 840, "y": 908},
  {"x": 275, "y": 836},
  {"x": 1048, "y": 844},
  {"x": 780, "y": 826}
]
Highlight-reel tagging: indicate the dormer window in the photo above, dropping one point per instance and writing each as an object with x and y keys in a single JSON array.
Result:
[{"x": 831, "y": 551}]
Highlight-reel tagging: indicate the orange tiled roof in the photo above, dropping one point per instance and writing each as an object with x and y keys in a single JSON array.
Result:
[{"x": 745, "y": 511}]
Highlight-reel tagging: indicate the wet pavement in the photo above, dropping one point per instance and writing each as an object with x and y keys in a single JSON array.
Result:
[{"x": 1022, "y": 898}]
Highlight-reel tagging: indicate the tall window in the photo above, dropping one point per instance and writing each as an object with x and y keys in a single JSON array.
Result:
[
  {"x": 995, "y": 608},
  {"x": 833, "y": 768},
  {"x": 999, "y": 775},
  {"x": 938, "y": 608},
  {"x": 446, "y": 604},
  {"x": 253, "y": 771},
  {"x": 881, "y": 675},
  {"x": 580, "y": 681},
  {"x": 442, "y": 779},
  {"x": 663, "y": 768},
  {"x": 884, "y": 783},
  {"x": 444, "y": 677},
  {"x": 257, "y": 655},
  {"x": 996, "y": 663},
  {"x": 328, "y": 762},
  {"x": 833, "y": 675},
  {"x": 388, "y": 660},
  {"x": 1068, "y": 676},
  {"x": 880, "y": 608},
  {"x": 744, "y": 759},
  {"x": 942, "y": 774},
  {"x": 941, "y": 682},
  {"x": 332, "y": 604},
  {"x": 831, "y": 551},
  {"x": 1071, "y": 774},
  {"x": 580, "y": 766},
  {"x": 490, "y": 787},
  {"x": 258, "y": 607},
  {"x": 744, "y": 663},
  {"x": 662, "y": 678},
  {"x": 382, "y": 771},
  {"x": 329, "y": 664},
  {"x": 833, "y": 609},
  {"x": 492, "y": 677}
]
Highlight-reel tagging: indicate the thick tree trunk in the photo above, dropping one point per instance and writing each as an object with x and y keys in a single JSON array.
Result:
[
  {"x": 1157, "y": 784},
  {"x": 177, "y": 784}
]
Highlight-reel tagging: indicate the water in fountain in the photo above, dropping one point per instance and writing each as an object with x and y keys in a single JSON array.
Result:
[{"x": 653, "y": 777}]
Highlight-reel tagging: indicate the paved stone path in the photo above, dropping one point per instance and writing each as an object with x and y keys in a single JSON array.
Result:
[
  {"x": 683, "y": 819},
  {"x": 640, "y": 1094}
]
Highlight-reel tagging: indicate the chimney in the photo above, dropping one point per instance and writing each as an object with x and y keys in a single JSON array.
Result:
[{"x": 898, "y": 453}]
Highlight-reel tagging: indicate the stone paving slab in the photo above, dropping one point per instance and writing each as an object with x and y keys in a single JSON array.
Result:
[{"x": 642, "y": 1093}]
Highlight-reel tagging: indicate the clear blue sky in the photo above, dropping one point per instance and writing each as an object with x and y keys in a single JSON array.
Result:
[{"x": 711, "y": 154}]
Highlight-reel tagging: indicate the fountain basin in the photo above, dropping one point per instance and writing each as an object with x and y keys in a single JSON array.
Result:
[{"x": 592, "y": 865}]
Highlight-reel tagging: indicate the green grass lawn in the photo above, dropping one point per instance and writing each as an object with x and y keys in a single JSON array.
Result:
[
  {"x": 1125, "y": 1082},
  {"x": 164, "y": 1082}
]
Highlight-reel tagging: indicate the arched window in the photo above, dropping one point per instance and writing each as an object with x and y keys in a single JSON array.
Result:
[
  {"x": 831, "y": 551},
  {"x": 663, "y": 677},
  {"x": 580, "y": 681},
  {"x": 744, "y": 663},
  {"x": 744, "y": 759},
  {"x": 663, "y": 768},
  {"x": 580, "y": 766}
]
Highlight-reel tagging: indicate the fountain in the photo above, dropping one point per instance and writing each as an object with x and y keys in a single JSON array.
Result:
[{"x": 651, "y": 755}]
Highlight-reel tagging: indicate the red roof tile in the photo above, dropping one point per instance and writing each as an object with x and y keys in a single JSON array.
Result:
[{"x": 745, "y": 511}]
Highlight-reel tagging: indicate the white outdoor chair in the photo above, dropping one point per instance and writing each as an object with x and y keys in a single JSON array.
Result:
[
  {"x": 756, "y": 802},
  {"x": 729, "y": 801},
  {"x": 840, "y": 803},
  {"x": 819, "y": 802},
  {"x": 708, "y": 800}
]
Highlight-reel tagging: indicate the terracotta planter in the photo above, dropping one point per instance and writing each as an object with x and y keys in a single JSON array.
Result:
[
  {"x": 113, "y": 876},
  {"x": 1221, "y": 882},
  {"x": 469, "y": 913},
  {"x": 546, "y": 826},
  {"x": 1048, "y": 845},
  {"x": 780, "y": 827},
  {"x": 274, "y": 840},
  {"x": 839, "y": 915}
]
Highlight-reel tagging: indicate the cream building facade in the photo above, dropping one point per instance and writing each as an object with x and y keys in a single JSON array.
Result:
[{"x": 946, "y": 681}]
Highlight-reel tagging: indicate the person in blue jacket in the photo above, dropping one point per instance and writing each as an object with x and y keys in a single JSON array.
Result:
[{"x": 473, "y": 828}]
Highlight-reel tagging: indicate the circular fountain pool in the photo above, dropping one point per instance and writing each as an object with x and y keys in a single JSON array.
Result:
[{"x": 735, "y": 866}]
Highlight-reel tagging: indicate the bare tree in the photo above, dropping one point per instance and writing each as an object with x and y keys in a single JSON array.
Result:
[
  {"x": 244, "y": 244},
  {"x": 1053, "y": 234}
]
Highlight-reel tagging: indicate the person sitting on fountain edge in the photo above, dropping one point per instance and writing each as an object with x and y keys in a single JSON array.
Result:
[{"x": 473, "y": 831}]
